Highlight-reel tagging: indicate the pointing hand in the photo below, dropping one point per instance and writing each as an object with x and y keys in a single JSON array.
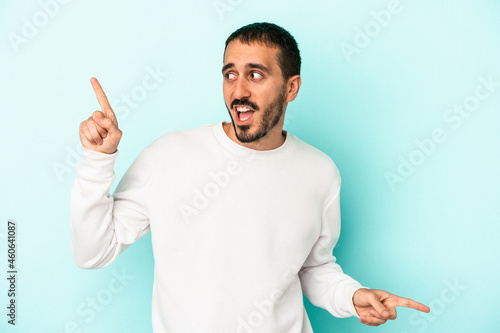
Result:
[
  {"x": 375, "y": 307},
  {"x": 100, "y": 132}
]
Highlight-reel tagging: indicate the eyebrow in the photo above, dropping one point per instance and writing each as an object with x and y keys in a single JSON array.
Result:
[{"x": 248, "y": 66}]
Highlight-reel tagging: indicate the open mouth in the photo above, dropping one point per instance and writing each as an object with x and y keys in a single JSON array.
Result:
[{"x": 245, "y": 113}]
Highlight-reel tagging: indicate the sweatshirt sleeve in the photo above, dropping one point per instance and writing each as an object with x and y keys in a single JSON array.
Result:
[
  {"x": 322, "y": 279},
  {"x": 103, "y": 225}
]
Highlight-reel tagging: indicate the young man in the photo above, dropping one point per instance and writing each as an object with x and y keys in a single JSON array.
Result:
[{"x": 243, "y": 215}]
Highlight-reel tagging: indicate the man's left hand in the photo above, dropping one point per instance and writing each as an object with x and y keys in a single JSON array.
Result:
[{"x": 375, "y": 307}]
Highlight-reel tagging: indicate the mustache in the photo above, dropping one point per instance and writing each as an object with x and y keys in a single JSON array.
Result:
[{"x": 245, "y": 102}]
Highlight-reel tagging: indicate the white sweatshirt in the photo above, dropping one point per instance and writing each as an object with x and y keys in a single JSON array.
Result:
[{"x": 238, "y": 234}]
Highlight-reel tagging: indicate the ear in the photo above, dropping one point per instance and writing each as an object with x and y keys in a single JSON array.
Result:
[{"x": 293, "y": 87}]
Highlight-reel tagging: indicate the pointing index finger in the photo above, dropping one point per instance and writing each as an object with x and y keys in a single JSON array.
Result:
[
  {"x": 101, "y": 97},
  {"x": 409, "y": 303}
]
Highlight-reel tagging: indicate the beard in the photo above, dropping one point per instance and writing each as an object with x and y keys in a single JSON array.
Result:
[{"x": 270, "y": 117}]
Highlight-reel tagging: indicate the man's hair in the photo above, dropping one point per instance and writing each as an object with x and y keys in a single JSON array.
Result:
[{"x": 271, "y": 35}]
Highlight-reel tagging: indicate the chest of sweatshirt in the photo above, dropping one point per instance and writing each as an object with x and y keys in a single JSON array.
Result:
[{"x": 208, "y": 201}]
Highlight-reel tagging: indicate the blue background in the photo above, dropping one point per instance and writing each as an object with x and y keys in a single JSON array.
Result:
[{"x": 375, "y": 85}]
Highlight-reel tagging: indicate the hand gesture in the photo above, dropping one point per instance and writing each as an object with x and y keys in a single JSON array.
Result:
[
  {"x": 100, "y": 132},
  {"x": 375, "y": 307}
]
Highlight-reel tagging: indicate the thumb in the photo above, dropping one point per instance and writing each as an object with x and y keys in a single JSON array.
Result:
[
  {"x": 378, "y": 306},
  {"x": 109, "y": 126}
]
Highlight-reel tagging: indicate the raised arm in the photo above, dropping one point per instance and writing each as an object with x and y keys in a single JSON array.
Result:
[{"x": 103, "y": 225}]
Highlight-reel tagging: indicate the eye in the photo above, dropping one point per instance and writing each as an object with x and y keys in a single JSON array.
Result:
[
  {"x": 256, "y": 75},
  {"x": 229, "y": 76}
]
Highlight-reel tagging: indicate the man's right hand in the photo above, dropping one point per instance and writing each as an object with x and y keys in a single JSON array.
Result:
[{"x": 100, "y": 132}]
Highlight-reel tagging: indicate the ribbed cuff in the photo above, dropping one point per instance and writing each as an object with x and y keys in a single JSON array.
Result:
[{"x": 97, "y": 165}]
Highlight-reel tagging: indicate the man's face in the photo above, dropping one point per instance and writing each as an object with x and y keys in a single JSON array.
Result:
[{"x": 254, "y": 89}]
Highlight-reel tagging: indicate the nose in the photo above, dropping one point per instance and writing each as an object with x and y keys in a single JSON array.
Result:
[{"x": 241, "y": 89}]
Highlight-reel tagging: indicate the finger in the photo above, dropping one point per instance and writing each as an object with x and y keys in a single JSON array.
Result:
[
  {"x": 372, "y": 321},
  {"x": 97, "y": 117},
  {"x": 103, "y": 100},
  {"x": 110, "y": 127},
  {"x": 409, "y": 303},
  {"x": 375, "y": 314},
  {"x": 114, "y": 134},
  {"x": 93, "y": 132},
  {"x": 392, "y": 314},
  {"x": 85, "y": 135}
]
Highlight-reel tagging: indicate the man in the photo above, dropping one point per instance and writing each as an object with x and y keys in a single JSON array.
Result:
[{"x": 243, "y": 215}]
